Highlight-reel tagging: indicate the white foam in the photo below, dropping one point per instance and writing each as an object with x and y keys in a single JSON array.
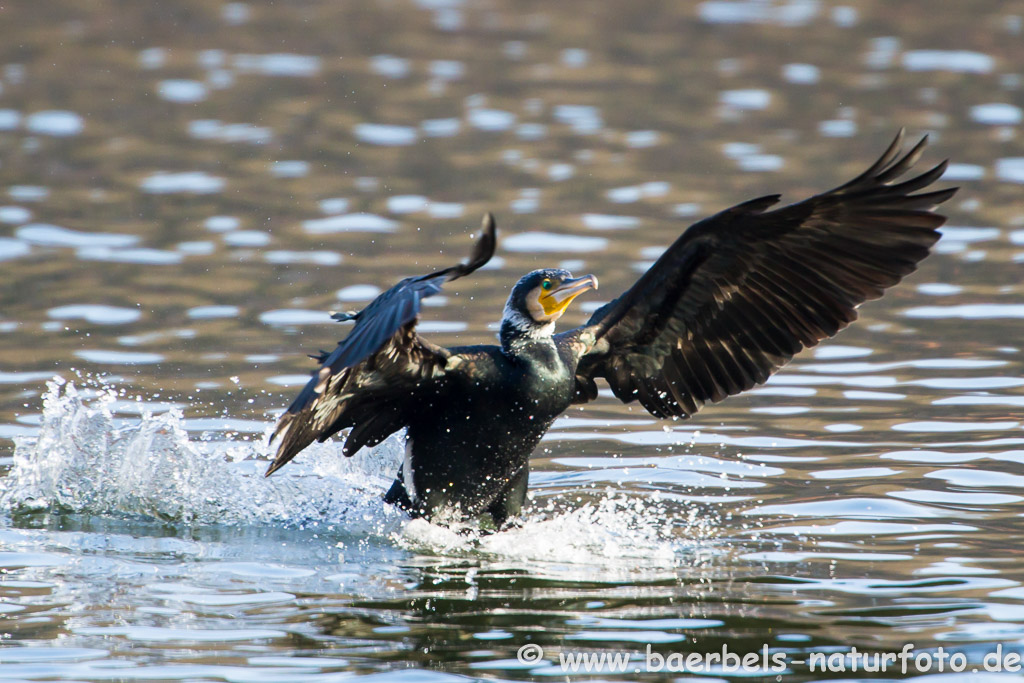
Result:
[
  {"x": 524, "y": 205},
  {"x": 357, "y": 293},
  {"x": 95, "y": 313},
  {"x": 747, "y": 99},
  {"x": 211, "y": 59},
  {"x": 957, "y": 233},
  {"x": 85, "y": 459},
  {"x": 55, "y": 123},
  {"x": 105, "y": 357},
  {"x": 88, "y": 458},
  {"x": 601, "y": 221},
  {"x": 735, "y": 150},
  {"x": 514, "y": 49},
  {"x": 551, "y": 242},
  {"x": 316, "y": 258},
  {"x": 445, "y": 209},
  {"x": 447, "y": 69},
  {"x": 212, "y": 311},
  {"x": 611, "y": 533},
  {"x": 686, "y": 209},
  {"x": 788, "y": 13},
  {"x": 492, "y": 120},
  {"x": 583, "y": 119},
  {"x": 761, "y": 162},
  {"x": 294, "y": 316},
  {"x": 55, "y": 236},
  {"x": 638, "y": 139},
  {"x": 12, "y": 249},
  {"x": 280, "y": 64},
  {"x": 957, "y": 61},
  {"x": 845, "y": 16},
  {"x": 333, "y": 205},
  {"x": 189, "y": 182},
  {"x": 181, "y": 90},
  {"x": 222, "y": 223},
  {"x": 559, "y": 172},
  {"x": 384, "y": 134},
  {"x": 441, "y": 326},
  {"x": 981, "y": 311},
  {"x": 1010, "y": 169},
  {"x": 407, "y": 203},
  {"x": 749, "y": 157},
  {"x": 289, "y": 380},
  {"x": 802, "y": 74},
  {"x": 962, "y": 172},
  {"x": 213, "y": 129},
  {"x": 448, "y": 19},
  {"x": 575, "y": 57},
  {"x": 246, "y": 238},
  {"x": 293, "y": 168},
  {"x": 389, "y": 66},
  {"x": 153, "y": 257},
  {"x": 997, "y": 114},
  {"x": 624, "y": 195},
  {"x": 939, "y": 288},
  {"x": 838, "y": 128},
  {"x": 352, "y": 222},
  {"x": 14, "y": 214},
  {"x": 10, "y": 119},
  {"x": 152, "y": 57},
  {"x": 235, "y": 13},
  {"x": 196, "y": 247},
  {"x": 834, "y": 351},
  {"x": 28, "y": 193},
  {"x": 220, "y": 79},
  {"x": 882, "y": 52},
  {"x": 440, "y": 128}
]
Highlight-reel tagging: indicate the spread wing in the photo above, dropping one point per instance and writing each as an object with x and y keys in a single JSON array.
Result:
[
  {"x": 739, "y": 293},
  {"x": 368, "y": 381}
]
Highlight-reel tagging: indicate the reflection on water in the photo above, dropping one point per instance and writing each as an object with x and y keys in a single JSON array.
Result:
[{"x": 186, "y": 193}]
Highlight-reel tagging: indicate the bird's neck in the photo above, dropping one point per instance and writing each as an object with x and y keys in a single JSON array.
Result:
[{"x": 517, "y": 330}]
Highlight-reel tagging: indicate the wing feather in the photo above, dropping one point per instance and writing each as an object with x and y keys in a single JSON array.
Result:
[
  {"x": 377, "y": 371},
  {"x": 740, "y": 293}
]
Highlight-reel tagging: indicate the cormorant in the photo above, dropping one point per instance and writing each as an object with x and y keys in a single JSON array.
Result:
[{"x": 729, "y": 303}]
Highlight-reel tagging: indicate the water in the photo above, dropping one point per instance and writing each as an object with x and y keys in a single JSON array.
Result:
[{"x": 185, "y": 195}]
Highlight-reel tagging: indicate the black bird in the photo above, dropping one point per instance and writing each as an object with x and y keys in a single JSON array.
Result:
[{"x": 729, "y": 303}]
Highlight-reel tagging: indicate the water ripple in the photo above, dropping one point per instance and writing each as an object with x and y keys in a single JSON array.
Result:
[
  {"x": 95, "y": 313},
  {"x": 55, "y": 236}
]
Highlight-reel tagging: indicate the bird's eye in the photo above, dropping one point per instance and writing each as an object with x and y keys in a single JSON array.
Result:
[{"x": 546, "y": 284}]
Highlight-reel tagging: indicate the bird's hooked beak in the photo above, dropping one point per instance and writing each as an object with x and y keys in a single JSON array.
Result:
[{"x": 555, "y": 301}]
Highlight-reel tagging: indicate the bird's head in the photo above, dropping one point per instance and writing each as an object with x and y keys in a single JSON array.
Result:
[{"x": 538, "y": 300}]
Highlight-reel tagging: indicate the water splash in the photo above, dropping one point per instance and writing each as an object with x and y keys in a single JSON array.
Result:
[
  {"x": 87, "y": 459},
  {"x": 620, "y": 531}
]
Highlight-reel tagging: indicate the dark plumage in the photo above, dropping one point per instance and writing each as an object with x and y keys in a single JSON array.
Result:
[{"x": 730, "y": 302}]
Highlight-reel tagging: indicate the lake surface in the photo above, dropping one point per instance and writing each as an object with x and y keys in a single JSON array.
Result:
[{"x": 187, "y": 188}]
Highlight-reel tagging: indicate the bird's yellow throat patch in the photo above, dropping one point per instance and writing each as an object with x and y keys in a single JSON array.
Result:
[{"x": 547, "y": 305}]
